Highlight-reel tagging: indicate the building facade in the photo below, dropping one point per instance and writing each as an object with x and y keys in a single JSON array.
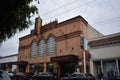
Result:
[
  {"x": 105, "y": 54},
  {"x": 8, "y": 63},
  {"x": 54, "y": 47}
]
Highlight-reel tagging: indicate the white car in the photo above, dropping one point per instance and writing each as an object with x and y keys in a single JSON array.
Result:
[
  {"x": 10, "y": 74},
  {"x": 4, "y": 75}
]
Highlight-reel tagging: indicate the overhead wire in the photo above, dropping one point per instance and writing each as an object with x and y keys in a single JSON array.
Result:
[
  {"x": 117, "y": 19},
  {"x": 71, "y": 9},
  {"x": 53, "y": 10}
]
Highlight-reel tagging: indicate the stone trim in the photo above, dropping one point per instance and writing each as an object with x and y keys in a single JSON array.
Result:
[{"x": 69, "y": 35}]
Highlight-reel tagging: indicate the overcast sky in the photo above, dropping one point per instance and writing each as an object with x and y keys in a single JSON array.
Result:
[{"x": 103, "y": 15}]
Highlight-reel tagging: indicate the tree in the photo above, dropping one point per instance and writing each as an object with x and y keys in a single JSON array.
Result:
[{"x": 15, "y": 17}]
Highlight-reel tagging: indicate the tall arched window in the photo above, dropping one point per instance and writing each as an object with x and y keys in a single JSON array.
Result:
[
  {"x": 33, "y": 49},
  {"x": 41, "y": 47},
  {"x": 50, "y": 45}
]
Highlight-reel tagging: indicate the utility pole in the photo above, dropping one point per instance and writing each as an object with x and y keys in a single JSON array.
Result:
[
  {"x": 84, "y": 56},
  {"x": 83, "y": 45}
]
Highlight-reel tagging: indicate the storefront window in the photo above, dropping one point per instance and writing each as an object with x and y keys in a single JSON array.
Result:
[
  {"x": 50, "y": 67},
  {"x": 109, "y": 66},
  {"x": 33, "y": 49},
  {"x": 32, "y": 68},
  {"x": 50, "y": 45},
  {"x": 41, "y": 48}
]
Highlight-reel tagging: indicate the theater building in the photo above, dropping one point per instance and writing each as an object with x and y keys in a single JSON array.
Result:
[{"x": 54, "y": 46}]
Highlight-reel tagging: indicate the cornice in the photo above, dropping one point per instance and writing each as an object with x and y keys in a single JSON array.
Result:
[{"x": 105, "y": 41}]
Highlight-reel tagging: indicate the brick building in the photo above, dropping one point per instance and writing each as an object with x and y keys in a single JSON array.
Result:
[{"x": 55, "y": 46}]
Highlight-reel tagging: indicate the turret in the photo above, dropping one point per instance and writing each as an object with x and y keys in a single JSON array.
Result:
[{"x": 38, "y": 25}]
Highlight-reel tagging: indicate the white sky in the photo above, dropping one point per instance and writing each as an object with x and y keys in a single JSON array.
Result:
[{"x": 103, "y": 15}]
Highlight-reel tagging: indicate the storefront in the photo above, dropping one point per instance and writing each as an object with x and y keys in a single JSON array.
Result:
[
  {"x": 105, "y": 53},
  {"x": 107, "y": 66}
]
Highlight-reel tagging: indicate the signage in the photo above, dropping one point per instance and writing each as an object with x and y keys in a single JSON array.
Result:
[{"x": 64, "y": 58}]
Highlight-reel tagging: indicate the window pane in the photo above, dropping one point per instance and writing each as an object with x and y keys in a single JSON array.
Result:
[
  {"x": 33, "y": 49},
  {"x": 41, "y": 47},
  {"x": 50, "y": 45}
]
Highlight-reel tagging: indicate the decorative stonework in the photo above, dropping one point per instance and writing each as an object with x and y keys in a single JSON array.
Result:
[{"x": 69, "y": 35}]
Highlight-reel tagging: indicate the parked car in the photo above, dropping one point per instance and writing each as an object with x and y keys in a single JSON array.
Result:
[
  {"x": 89, "y": 76},
  {"x": 78, "y": 76},
  {"x": 4, "y": 75},
  {"x": 19, "y": 76},
  {"x": 29, "y": 75},
  {"x": 44, "y": 76},
  {"x": 74, "y": 76},
  {"x": 10, "y": 74}
]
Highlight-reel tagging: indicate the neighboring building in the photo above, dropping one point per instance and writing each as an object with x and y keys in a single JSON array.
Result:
[
  {"x": 93, "y": 33},
  {"x": 55, "y": 46},
  {"x": 8, "y": 63},
  {"x": 105, "y": 54}
]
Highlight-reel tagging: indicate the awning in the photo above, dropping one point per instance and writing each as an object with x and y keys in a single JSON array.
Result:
[
  {"x": 22, "y": 62},
  {"x": 66, "y": 58},
  {"x": 17, "y": 63}
]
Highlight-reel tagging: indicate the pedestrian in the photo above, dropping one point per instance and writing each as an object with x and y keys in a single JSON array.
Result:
[
  {"x": 14, "y": 71},
  {"x": 110, "y": 74},
  {"x": 101, "y": 76}
]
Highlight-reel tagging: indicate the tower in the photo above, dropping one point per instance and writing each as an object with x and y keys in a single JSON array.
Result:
[{"x": 38, "y": 25}]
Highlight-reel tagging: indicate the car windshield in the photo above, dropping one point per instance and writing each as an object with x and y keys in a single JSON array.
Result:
[
  {"x": 44, "y": 74},
  {"x": 77, "y": 75},
  {"x": 89, "y": 75},
  {"x": 4, "y": 76}
]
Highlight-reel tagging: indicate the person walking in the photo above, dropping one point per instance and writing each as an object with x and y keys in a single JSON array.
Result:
[{"x": 101, "y": 76}]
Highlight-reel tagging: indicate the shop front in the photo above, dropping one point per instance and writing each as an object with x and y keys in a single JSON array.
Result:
[{"x": 106, "y": 66}]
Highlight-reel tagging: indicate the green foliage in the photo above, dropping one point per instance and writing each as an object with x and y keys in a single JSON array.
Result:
[{"x": 15, "y": 17}]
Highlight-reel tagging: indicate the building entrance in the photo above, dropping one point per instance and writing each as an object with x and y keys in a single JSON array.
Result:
[
  {"x": 66, "y": 64},
  {"x": 67, "y": 68}
]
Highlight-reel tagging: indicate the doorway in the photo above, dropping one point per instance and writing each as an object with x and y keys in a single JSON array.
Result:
[{"x": 67, "y": 68}]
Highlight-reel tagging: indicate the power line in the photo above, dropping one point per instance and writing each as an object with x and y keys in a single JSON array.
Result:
[
  {"x": 108, "y": 21},
  {"x": 71, "y": 9},
  {"x": 46, "y": 13}
]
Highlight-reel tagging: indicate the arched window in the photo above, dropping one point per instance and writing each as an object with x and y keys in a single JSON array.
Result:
[
  {"x": 33, "y": 49},
  {"x": 50, "y": 45},
  {"x": 41, "y": 47}
]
